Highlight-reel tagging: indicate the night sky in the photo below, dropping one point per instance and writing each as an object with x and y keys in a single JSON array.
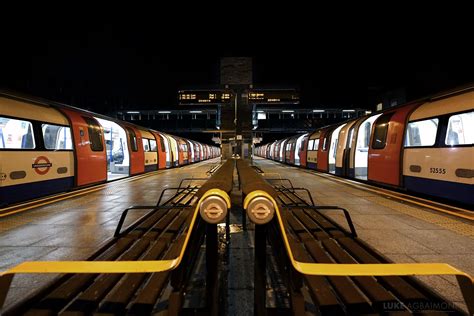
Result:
[{"x": 108, "y": 65}]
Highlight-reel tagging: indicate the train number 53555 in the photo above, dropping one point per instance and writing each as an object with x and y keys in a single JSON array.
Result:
[{"x": 438, "y": 170}]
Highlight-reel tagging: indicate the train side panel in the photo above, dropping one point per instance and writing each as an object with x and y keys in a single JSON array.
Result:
[{"x": 442, "y": 172}]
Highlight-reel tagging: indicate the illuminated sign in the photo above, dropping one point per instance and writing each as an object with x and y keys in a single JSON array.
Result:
[
  {"x": 274, "y": 97},
  {"x": 204, "y": 97}
]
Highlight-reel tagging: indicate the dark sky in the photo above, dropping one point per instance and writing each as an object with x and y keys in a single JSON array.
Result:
[{"x": 106, "y": 64}]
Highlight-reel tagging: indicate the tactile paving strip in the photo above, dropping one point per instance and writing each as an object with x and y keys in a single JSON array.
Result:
[{"x": 426, "y": 215}]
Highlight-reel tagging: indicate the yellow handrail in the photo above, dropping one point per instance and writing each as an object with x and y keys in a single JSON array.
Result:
[
  {"x": 114, "y": 266},
  {"x": 466, "y": 282}
]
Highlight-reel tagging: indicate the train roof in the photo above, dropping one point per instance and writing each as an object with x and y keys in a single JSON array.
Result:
[{"x": 21, "y": 109}]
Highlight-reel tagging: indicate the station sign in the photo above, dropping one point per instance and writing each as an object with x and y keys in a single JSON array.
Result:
[
  {"x": 209, "y": 97},
  {"x": 282, "y": 96}
]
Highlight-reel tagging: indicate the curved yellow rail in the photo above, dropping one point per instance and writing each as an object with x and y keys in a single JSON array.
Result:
[
  {"x": 466, "y": 282},
  {"x": 114, "y": 266}
]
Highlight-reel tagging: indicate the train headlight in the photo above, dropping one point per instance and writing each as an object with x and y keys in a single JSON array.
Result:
[
  {"x": 260, "y": 210},
  {"x": 213, "y": 209}
]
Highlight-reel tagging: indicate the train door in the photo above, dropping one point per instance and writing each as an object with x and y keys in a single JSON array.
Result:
[
  {"x": 90, "y": 153},
  {"x": 137, "y": 156},
  {"x": 150, "y": 151},
  {"x": 361, "y": 156},
  {"x": 386, "y": 146},
  {"x": 342, "y": 144},
  {"x": 312, "y": 150},
  {"x": 347, "y": 151},
  {"x": 174, "y": 151},
  {"x": 299, "y": 142},
  {"x": 161, "y": 150},
  {"x": 323, "y": 151},
  {"x": 201, "y": 152},
  {"x": 190, "y": 151},
  {"x": 282, "y": 150},
  {"x": 303, "y": 150},
  {"x": 169, "y": 154},
  {"x": 333, "y": 149},
  {"x": 117, "y": 151}
]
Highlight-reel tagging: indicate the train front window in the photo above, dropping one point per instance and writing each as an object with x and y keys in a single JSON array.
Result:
[
  {"x": 460, "y": 129},
  {"x": 16, "y": 134},
  {"x": 421, "y": 133},
  {"x": 56, "y": 137}
]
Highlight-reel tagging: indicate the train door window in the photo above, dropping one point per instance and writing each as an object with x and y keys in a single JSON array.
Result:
[
  {"x": 421, "y": 133},
  {"x": 349, "y": 138},
  {"x": 16, "y": 134},
  {"x": 460, "y": 129},
  {"x": 146, "y": 144},
  {"x": 311, "y": 144},
  {"x": 316, "y": 144},
  {"x": 380, "y": 131},
  {"x": 325, "y": 142},
  {"x": 56, "y": 137},
  {"x": 133, "y": 139},
  {"x": 95, "y": 134},
  {"x": 152, "y": 145}
]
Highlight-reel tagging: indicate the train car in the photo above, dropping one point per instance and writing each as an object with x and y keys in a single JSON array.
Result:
[
  {"x": 424, "y": 146},
  {"x": 438, "y": 148},
  {"x": 47, "y": 148},
  {"x": 36, "y": 151},
  {"x": 297, "y": 150}
]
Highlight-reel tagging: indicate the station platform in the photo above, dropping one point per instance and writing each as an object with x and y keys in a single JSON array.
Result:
[
  {"x": 74, "y": 226},
  {"x": 402, "y": 231}
]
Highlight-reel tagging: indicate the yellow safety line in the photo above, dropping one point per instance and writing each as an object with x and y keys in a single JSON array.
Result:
[
  {"x": 400, "y": 197},
  {"x": 114, "y": 266}
]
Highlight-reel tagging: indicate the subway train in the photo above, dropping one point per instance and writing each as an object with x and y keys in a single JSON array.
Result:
[
  {"x": 47, "y": 148},
  {"x": 425, "y": 146}
]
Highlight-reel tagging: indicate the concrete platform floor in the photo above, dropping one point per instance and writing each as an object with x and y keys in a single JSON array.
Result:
[
  {"x": 402, "y": 232},
  {"x": 74, "y": 229}
]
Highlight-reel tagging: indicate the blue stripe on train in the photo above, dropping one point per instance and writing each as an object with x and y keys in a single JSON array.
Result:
[
  {"x": 460, "y": 192},
  {"x": 312, "y": 165},
  {"x": 149, "y": 168},
  {"x": 27, "y": 191}
]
